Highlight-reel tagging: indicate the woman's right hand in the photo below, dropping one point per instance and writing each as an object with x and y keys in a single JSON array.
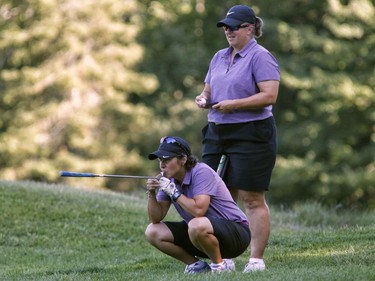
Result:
[{"x": 201, "y": 101}]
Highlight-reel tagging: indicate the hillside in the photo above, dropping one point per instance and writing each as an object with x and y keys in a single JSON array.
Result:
[{"x": 54, "y": 232}]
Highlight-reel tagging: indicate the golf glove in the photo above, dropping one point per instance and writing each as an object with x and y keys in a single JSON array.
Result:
[
  {"x": 169, "y": 188},
  {"x": 164, "y": 182}
]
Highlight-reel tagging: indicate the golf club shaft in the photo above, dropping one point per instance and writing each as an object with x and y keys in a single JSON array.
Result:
[{"x": 92, "y": 175}]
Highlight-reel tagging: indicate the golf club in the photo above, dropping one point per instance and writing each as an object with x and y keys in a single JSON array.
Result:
[
  {"x": 220, "y": 170},
  {"x": 92, "y": 175}
]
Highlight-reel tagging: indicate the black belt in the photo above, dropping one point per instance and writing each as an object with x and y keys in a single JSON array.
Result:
[
  {"x": 221, "y": 124},
  {"x": 240, "y": 123}
]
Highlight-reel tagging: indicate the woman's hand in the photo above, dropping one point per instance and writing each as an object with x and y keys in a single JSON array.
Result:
[
  {"x": 201, "y": 101},
  {"x": 225, "y": 106},
  {"x": 152, "y": 185}
]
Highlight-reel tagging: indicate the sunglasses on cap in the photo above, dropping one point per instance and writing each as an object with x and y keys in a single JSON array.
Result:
[
  {"x": 167, "y": 139},
  {"x": 235, "y": 28}
]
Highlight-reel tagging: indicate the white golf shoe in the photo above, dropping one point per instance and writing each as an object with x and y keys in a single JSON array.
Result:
[
  {"x": 254, "y": 265},
  {"x": 227, "y": 266}
]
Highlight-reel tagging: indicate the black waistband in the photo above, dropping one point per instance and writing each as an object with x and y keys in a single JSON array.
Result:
[{"x": 239, "y": 124}]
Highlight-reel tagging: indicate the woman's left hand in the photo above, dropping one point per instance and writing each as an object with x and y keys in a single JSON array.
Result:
[
  {"x": 152, "y": 185},
  {"x": 225, "y": 106}
]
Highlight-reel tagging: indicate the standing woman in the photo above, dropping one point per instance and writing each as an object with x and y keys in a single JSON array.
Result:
[{"x": 241, "y": 86}]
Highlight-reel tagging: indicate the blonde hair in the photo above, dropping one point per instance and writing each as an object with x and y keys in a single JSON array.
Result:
[{"x": 258, "y": 30}]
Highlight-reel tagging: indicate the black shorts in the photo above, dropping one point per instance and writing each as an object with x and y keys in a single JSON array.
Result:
[
  {"x": 251, "y": 148},
  {"x": 234, "y": 238}
]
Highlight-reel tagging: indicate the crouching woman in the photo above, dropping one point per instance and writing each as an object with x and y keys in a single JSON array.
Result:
[{"x": 213, "y": 226}]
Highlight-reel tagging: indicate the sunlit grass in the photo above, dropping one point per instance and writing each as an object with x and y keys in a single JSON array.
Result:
[{"x": 54, "y": 232}]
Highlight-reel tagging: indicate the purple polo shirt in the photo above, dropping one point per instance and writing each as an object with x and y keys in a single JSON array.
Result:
[
  {"x": 253, "y": 64},
  {"x": 204, "y": 180}
]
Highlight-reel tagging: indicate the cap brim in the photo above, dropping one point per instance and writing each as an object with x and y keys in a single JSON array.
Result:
[
  {"x": 229, "y": 22},
  {"x": 162, "y": 154}
]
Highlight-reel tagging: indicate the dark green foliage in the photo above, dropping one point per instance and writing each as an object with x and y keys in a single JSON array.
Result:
[
  {"x": 326, "y": 104},
  {"x": 92, "y": 86}
]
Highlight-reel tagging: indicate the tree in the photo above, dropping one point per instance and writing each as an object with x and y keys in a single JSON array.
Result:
[
  {"x": 92, "y": 85},
  {"x": 326, "y": 102},
  {"x": 325, "y": 110},
  {"x": 67, "y": 73}
]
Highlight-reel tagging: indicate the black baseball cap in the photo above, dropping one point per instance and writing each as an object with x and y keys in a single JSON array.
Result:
[
  {"x": 170, "y": 146},
  {"x": 237, "y": 15}
]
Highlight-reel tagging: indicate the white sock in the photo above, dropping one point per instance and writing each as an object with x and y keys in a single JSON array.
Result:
[
  {"x": 218, "y": 264},
  {"x": 256, "y": 260}
]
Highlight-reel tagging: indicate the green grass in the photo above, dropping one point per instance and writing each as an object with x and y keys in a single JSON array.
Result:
[{"x": 53, "y": 232}]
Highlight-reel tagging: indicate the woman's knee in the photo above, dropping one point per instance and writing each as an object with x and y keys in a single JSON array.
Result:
[
  {"x": 152, "y": 232},
  {"x": 199, "y": 225},
  {"x": 253, "y": 200},
  {"x": 158, "y": 232}
]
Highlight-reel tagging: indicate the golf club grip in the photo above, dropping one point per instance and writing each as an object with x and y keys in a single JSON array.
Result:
[
  {"x": 77, "y": 175},
  {"x": 222, "y": 165}
]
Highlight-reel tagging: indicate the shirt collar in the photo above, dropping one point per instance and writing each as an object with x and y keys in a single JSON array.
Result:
[
  {"x": 187, "y": 178},
  {"x": 245, "y": 50}
]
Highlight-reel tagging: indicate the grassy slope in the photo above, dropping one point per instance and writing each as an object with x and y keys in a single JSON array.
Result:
[{"x": 52, "y": 232}]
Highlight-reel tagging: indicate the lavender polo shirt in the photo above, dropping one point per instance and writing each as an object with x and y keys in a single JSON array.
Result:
[
  {"x": 204, "y": 180},
  {"x": 253, "y": 64}
]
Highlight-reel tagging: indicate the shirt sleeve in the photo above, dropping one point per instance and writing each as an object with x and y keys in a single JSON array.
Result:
[
  {"x": 265, "y": 67},
  {"x": 161, "y": 196},
  {"x": 212, "y": 65},
  {"x": 205, "y": 181}
]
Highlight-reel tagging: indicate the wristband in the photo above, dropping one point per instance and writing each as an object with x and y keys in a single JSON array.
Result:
[{"x": 176, "y": 195}]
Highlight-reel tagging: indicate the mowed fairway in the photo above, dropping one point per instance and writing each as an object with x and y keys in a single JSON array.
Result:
[{"x": 53, "y": 232}]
